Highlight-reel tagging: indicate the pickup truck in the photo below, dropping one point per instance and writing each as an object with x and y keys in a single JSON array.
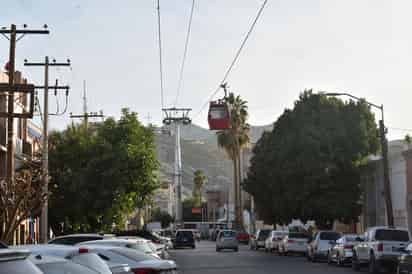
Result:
[{"x": 381, "y": 248}]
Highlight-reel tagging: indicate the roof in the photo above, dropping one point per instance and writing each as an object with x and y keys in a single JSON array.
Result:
[{"x": 50, "y": 249}]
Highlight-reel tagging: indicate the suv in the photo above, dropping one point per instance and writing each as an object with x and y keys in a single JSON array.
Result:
[
  {"x": 258, "y": 241},
  {"x": 16, "y": 262},
  {"x": 381, "y": 248},
  {"x": 320, "y": 244},
  {"x": 184, "y": 238},
  {"x": 227, "y": 240}
]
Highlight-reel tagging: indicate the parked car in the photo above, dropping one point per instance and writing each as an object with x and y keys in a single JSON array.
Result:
[
  {"x": 341, "y": 253},
  {"x": 293, "y": 242},
  {"x": 75, "y": 254},
  {"x": 405, "y": 260},
  {"x": 243, "y": 237},
  {"x": 227, "y": 240},
  {"x": 184, "y": 238},
  {"x": 146, "y": 234},
  {"x": 258, "y": 241},
  {"x": 319, "y": 245},
  {"x": 215, "y": 232},
  {"x": 381, "y": 248},
  {"x": 137, "y": 244},
  {"x": 158, "y": 249},
  {"x": 16, "y": 262},
  {"x": 73, "y": 239},
  {"x": 196, "y": 232},
  {"x": 53, "y": 265},
  {"x": 272, "y": 242},
  {"x": 136, "y": 260},
  {"x": 166, "y": 241}
]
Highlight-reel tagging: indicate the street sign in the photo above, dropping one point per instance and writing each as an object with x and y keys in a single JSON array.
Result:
[{"x": 196, "y": 210}]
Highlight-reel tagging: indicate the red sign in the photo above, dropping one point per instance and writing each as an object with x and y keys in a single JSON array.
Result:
[{"x": 196, "y": 210}]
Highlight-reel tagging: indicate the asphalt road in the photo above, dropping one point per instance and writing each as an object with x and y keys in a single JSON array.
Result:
[{"x": 205, "y": 260}]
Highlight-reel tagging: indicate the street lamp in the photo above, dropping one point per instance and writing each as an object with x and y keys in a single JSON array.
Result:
[{"x": 384, "y": 144}]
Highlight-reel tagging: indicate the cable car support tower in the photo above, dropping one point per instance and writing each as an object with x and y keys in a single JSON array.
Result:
[{"x": 178, "y": 117}]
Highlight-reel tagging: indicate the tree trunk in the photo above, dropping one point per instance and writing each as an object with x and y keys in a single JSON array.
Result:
[{"x": 235, "y": 191}]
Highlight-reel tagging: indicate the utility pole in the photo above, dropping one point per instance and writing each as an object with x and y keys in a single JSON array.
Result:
[
  {"x": 86, "y": 115},
  {"x": 44, "y": 217},
  {"x": 177, "y": 116},
  {"x": 13, "y": 31}
]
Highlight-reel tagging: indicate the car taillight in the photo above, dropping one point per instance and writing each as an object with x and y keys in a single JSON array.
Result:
[
  {"x": 83, "y": 250},
  {"x": 380, "y": 247},
  {"x": 348, "y": 247},
  {"x": 291, "y": 241},
  {"x": 144, "y": 271}
]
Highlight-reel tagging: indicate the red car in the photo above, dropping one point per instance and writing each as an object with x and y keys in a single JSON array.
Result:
[{"x": 243, "y": 237}]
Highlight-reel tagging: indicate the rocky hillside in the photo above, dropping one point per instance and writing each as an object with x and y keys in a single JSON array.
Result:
[{"x": 199, "y": 151}]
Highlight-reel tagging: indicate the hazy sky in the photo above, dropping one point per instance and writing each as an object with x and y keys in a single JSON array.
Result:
[{"x": 360, "y": 46}]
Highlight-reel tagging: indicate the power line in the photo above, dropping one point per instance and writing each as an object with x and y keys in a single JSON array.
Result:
[
  {"x": 189, "y": 28},
  {"x": 160, "y": 55},
  {"x": 236, "y": 56}
]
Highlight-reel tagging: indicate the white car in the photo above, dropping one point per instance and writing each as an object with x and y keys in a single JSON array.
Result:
[
  {"x": 158, "y": 249},
  {"x": 72, "y": 239},
  {"x": 138, "y": 261},
  {"x": 341, "y": 253},
  {"x": 16, "y": 262},
  {"x": 226, "y": 239},
  {"x": 272, "y": 242},
  {"x": 137, "y": 244},
  {"x": 381, "y": 248},
  {"x": 293, "y": 242},
  {"x": 319, "y": 245},
  {"x": 53, "y": 265},
  {"x": 74, "y": 254}
]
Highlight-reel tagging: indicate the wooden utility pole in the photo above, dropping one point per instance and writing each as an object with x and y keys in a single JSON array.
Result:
[
  {"x": 44, "y": 223},
  {"x": 10, "y": 67}
]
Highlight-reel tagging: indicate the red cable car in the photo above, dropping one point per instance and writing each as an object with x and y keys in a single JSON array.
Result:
[{"x": 219, "y": 115}]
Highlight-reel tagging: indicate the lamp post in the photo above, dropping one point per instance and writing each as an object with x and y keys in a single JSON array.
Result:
[{"x": 384, "y": 144}]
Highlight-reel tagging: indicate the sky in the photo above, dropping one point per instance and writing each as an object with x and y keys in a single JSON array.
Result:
[{"x": 358, "y": 46}]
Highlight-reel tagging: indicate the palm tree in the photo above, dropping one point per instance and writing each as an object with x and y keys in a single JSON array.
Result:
[
  {"x": 199, "y": 180},
  {"x": 232, "y": 141}
]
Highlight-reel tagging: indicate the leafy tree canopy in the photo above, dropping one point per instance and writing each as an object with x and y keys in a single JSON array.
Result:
[
  {"x": 163, "y": 217},
  {"x": 308, "y": 166},
  {"x": 101, "y": 173}
]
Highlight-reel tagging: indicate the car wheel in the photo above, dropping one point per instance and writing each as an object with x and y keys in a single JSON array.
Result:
[
  {"x": 308, "y": 257},
  {"x": 193, "y": 246},
  {"x": 355, "y": 262},
  {"x": 217, "y": 249},
  {"x": 313, "y": 258},
  {"x": 236, "y": 249},
  {"x": 373, "y": 265}
]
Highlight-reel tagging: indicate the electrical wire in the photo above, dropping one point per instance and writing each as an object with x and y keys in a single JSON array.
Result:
[
  {"x": 189, "y": 29},
  {"x": 226, "y": 75},
  {"x": 160, "y": 55}
]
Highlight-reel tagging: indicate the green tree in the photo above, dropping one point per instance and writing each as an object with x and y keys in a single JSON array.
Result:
[
  {"x": 232, "y": 141},
  {"x": 163, "y": 217},
  {"x": 308, "y": 166},
  {"x": 100, "y": 174},
  {"x": 199, "y": 181}
]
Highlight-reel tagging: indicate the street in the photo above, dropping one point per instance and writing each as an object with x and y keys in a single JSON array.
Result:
[{"x": 205, "y": 260}]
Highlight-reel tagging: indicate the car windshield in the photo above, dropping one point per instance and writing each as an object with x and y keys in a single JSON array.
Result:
[
  {"x": 184, "y": 234},
  {"x": 298, "y": 235},
  {"x": 392, "y": 235},
  {"x": 263, "y": 234},
  {"x": 330, "y": 236},
  {"x": 133, "y": 254},
  {"x": 228, "y": 234},
  {"x": 65, "y": 268},
  {"x": 143, "y": 247}
]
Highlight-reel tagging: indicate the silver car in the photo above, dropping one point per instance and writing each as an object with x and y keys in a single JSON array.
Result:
[
  {"x": 226, "y": 239},
  {"x": 16, "y": 262}
]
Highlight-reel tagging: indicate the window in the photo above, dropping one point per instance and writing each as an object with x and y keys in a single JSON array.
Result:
[
  {"x": 228, "y": 234},
  {"x": 391, "y": 235},
  {"x": 184, "y": 234},
  {"x": 295, "y": 235},
  {"x": 330, "y": 236},
  {"x": 65, "y": 268}
]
